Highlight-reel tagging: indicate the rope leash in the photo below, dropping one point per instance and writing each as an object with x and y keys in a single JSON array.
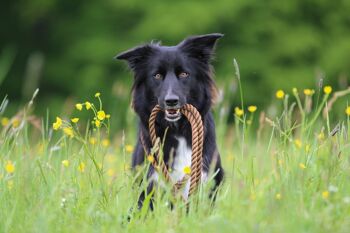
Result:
[{"x": 195, "y": 120}]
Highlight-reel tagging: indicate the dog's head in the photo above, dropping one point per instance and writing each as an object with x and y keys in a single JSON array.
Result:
[{"x": 173, "y": 76}]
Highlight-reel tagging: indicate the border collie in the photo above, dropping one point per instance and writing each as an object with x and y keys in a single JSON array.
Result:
[{"x": 173, "y": 76}]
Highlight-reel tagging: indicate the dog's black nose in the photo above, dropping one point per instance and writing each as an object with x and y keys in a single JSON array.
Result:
[{"x": 172, "y": 101}]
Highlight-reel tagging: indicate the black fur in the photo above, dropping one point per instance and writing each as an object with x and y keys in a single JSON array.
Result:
[{"x": 182, "y": 72}]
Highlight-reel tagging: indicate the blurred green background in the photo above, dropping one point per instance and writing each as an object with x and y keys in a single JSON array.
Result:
[{"x": 66, "y": 47}]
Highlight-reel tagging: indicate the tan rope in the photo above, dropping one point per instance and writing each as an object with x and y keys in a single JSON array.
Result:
[{"x": 195, "y": 120}]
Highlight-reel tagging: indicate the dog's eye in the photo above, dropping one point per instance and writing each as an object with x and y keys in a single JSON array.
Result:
[
  {"x": 158, "y": 76},
  {"x": 184, "y": 75}
]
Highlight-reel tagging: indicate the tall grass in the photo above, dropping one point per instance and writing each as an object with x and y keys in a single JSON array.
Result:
[{"x": 294, "y": 177}]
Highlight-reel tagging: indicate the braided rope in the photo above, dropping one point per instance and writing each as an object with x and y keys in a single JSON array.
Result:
[{"x": 195, "y": 120}]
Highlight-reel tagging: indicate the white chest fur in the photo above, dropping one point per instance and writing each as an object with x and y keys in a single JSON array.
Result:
[{"x": 181, "y": 160}]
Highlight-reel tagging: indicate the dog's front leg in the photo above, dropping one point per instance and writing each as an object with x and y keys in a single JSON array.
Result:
[{"x": 148, "y": 192}]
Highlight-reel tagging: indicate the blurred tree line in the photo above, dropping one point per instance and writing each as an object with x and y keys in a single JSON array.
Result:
[{"x": 66, "y": 47}]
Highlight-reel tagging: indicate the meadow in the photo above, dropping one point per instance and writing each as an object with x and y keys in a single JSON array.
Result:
[{"x": 288, "y": 173}]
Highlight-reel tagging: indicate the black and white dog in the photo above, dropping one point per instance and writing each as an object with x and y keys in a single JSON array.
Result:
[{"x": 173, "y": 76}]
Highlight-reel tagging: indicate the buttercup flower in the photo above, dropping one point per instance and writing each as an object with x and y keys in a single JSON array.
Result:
[
  {"x": 320, "y": 136},
  {"x": 302, "y": 166},
  {"x": 307, "y": 148},
  {"x": 92, "y": 141},
  {"x": 325, "y": 195},
  {"x": 298, "y": 143},
  {"x": 68, "y": 131},
  {"x": 87, "y": 105},
  {"x": 280, "y": 162},
  {"x": 252, "y": 108},
  {"x": 278, "y": 196},
  {"x": 75, "y": 120},
  {"x": 57, "y": 124},
  {"x": 187, "y": 170},
  {"x": 150, "y": 158},
  {"x": 10, "y": 167},
  {"x": 239, "y": 112},
  {"x": 79, "y": 106},
  {"x": 98, "y": 123},
  {"x": 101, "y": 115},
  {"x": 309, "y": 92},
  {"x": 110, "y": 172},
  {"x": 105, "y": 142},
  {"x": 347, "y": 110},
  {"x": 97, "y": 94},
  {"x": 327, "y": 90},
  {"x": 81, "y": 167},
  {"x": 129, "y": 148},
  {"x": 280, "y": 94},
  {"x": 65, "y": 163},
  {"x": 4, "y": 121},
  {"x": 15, "y": 123}
]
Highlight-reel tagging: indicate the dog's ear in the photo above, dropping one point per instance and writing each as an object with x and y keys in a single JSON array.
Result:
[
  {"x": 135, "y": 55},
  {"x": 201, "y": 47}
]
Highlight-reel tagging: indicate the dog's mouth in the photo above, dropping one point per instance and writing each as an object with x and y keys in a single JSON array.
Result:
[{"x": 172, "y": 114}]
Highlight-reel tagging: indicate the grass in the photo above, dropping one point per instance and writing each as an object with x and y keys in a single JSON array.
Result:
[{"x": 292, "y": 177}]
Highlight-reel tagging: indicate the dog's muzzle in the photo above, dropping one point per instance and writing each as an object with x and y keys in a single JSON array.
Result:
[{"x": 172, "y": 114}]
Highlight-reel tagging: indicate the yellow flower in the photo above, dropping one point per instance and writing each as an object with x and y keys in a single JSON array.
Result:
[
  {"x": 302, "y": 166},
  {"x": 108, "y": 116},
  {"x": 110, "y": 172},
  {"x": 187, "y": 170},
  {"x": 280, "y": 94},
  {"x": 320, "y": 136},
  {"x": 278, "y": 196},
  {"x": 126, "y": 167},
  {"x": 79, "y": 107},
  {"x": 15, "y": 123},
  {"x": 150, "y": 158},
  {"x": 309, "y": 92},
  {"x": 327, "y": 90},
  {"x": 92, "y": 141},
  {"x": 57, "y": 124},
  {"x": 280, "y": 162},
  {"x": 87, "y": 105},
  {"x": 252, "y": 108},
  {"x": 10, "y": 167},
  {"x": 307, "y": 148},
  {"x": 101, "y": 115},
  {"x": 4, "y": 121},
  {"x": 295, "y": 90},
  {"x": 129, "y": 148},
  {"x": 75, "y": 120},
  {"x": 105, "y": 142},
  {"x": 230, "y": 157},
  {"x": 65, "y": 163},
  {"x": 325, "y": 195},
  {"x": 98, "y": 123},
  {"x": 256, "y": 181},
  {"x": 97, "y": 94},
  {"x": 298, "y": 143},
  {"x": 68, "y": 131},
  {"x": 347, "y": 110},
  {"x": 239, "y": 112},
  {"x": 81, "y": 167}
]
